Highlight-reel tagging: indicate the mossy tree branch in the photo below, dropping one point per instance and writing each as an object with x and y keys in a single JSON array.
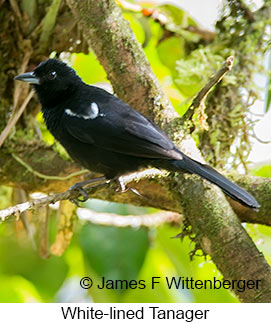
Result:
[
  {"x": 152, "y": 185},
  {"x": 227, "y": 106}
]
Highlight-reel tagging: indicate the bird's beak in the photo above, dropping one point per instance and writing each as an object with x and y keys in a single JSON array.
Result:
[{"x": 28, "y": 77}]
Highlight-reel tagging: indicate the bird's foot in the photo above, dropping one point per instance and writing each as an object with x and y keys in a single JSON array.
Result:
[
  {"x": 82, "y": 192},
  {"x": 79, "y": 187},
  {"x": 123, "y": 188}
]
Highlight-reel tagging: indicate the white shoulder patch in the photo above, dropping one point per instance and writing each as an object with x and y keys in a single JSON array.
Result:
[
  {"x": 92, "y": 113},
  {"x": 70, "y": 113}
]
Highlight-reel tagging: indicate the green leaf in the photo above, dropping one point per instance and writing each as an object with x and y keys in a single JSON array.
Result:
[
  {"x": 263, "y": 171},
  {"x": 115, "y": 253},
  {"x": 146, "y": 27},
  {"x": 88, "y": 68},
  {"x": 19, "y": 258},
  {"x": 16, "y": 289},
  {"x": 174, "y": 46},
  {"x": 157, "y": 264},
  {"x": 200, "y": 268},
  {"x": 5, "y": 196}
]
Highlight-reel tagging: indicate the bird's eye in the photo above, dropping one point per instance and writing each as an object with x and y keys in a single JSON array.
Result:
[{"x": 51, "y": 75}]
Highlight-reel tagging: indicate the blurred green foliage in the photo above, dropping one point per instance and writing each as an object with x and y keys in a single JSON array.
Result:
[
  {"x": 122, "y": 253},
  {"x": 263, "y": 171}
]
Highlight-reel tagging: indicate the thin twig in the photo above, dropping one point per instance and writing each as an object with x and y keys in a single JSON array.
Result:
[
  {"x": 239, "y": 4},
  {"x": 48, "y": 177},
  {"x": 21, "y": 87},
  {"x": 69, "y": 195},
  {"x": 19, "y": 195},
  {"x": 16, "y": 9},
  {"x": 162, "y": 19},
  {"x": 203, "y": 33},
  {"x": 66, "y": 221},
  {"x": 30, "y": 205},
  {"x": 135, "y": 221},
  {"x": 247, "y": 11},
  {"x": 12, "y": 121},
  {"x": 48, "y": 25},
  {"x": 201, "y": 96},
  {"x": 43, "y": 228},
  {"x": 16, "y": 113}
]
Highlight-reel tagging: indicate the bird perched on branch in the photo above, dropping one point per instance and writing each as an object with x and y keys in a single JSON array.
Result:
[{"x": 105, "y": 135}]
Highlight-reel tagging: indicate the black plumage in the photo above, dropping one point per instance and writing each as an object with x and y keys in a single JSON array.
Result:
[{"x": 105, "y": 135}]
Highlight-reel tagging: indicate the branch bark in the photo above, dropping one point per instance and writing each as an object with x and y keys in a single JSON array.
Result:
[
  {"x": 201, "y": 96},
  {"x": 151, "y": 184}
]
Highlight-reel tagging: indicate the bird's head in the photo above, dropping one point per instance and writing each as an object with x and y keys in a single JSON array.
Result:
[{"x": 52, "y": 79}]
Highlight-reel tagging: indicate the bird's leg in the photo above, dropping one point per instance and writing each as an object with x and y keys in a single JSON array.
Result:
[
  {"x": 123, "y": 188},
  {"x": 80, "y": 188}
]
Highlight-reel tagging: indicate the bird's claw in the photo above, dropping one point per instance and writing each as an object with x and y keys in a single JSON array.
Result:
[
  {"x": 82, "y": 192},
  {"x": 123, "y": 188}
]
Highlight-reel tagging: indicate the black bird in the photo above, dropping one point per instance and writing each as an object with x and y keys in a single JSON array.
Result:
[{"x": 105, "y": 135}]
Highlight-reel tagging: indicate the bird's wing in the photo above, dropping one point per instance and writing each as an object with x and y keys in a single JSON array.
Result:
[{"x": 119, "y": 128}]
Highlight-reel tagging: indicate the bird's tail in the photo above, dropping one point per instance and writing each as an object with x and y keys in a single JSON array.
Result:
[{"x": 234, "y": 191}]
